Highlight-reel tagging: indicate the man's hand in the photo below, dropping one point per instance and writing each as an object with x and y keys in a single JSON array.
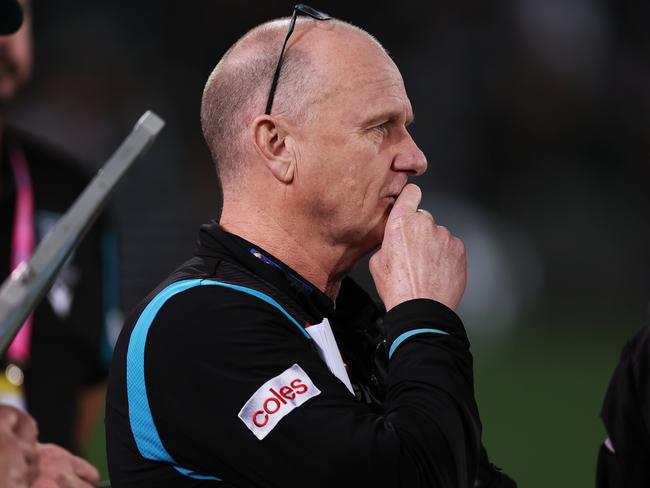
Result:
[
  {"x": 57, "y": 468},
  {"x": 26, "y": 464},
  {"x": 18, "y": 456},
  {"x": 418, "y": 259}
]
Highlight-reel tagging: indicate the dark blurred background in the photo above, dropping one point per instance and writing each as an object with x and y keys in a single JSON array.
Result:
[{"x": 535, "y": 119}]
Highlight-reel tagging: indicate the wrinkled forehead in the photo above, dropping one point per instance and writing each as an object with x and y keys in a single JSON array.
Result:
[
  {"x": 353, "y": 68},
  {"x": 369, "y": 79},
  {"x": 362, "y": 73}
]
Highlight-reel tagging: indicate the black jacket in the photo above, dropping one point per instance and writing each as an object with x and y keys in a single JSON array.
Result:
[{"x": 229, "y": 329}]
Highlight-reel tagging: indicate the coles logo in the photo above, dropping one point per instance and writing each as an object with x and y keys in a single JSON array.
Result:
[{"x": 275, "y": 399}]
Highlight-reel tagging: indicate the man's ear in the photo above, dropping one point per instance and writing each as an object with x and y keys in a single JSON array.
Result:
[{"x": 270, "y": 141}]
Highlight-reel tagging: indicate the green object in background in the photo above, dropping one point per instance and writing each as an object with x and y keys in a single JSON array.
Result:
[
  {"x": 95, "y": 452},
  {"x": 540, "y": 400}
]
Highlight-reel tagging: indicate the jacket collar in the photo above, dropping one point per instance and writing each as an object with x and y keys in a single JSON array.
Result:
[
  {"x": 214, "y": 241},
  {"x": 352, "y": 300}
]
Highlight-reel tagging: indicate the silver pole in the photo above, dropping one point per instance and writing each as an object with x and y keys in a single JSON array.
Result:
[{"x": 24, "y": 289}]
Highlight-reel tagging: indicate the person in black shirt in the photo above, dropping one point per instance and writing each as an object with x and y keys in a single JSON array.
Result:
[
  {"x": 258, "y": 363},
  {"x": 57, "y": 366},
  {"x": 623, "y": 457}
]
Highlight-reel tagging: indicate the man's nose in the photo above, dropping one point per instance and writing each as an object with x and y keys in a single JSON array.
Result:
[{"x": 410, "y": 159}]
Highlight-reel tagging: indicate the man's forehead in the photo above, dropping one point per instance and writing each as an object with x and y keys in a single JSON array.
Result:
[
  {"x": 373, "y": 77},
  {"x": 381, "y": 110},
  {"x": 377, "y": 85},
  {"x": 353, "y": 66}
]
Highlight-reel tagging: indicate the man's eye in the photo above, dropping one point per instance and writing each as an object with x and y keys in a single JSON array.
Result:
[{"x": 382, "y": 128}]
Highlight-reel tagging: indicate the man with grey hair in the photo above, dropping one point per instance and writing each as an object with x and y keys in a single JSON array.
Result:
[{"x": 284, "y": 372}]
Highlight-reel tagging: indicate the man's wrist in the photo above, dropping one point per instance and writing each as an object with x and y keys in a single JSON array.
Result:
[{"x": 421, "y": 315}]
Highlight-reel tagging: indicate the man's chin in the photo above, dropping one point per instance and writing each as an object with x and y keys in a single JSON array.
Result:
[
  {"x": 376, "y": 235},
  {"x": 369, "y": 237}
]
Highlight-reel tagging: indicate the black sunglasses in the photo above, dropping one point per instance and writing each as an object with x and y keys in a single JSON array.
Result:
[{"x": 298, "y": 9}]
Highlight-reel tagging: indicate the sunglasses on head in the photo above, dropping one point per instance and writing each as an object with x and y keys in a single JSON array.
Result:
[{"x": 298, "y": 9}]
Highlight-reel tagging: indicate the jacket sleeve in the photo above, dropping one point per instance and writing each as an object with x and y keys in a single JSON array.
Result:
[
  {"x": 212, "y": 351},
  {"x": 622, "y": 459}
]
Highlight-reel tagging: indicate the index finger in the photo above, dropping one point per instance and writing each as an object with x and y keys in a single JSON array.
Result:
[{"x": 407, "y": 202}]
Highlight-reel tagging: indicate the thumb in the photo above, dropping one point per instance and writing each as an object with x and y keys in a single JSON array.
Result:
[
  {"x": 25, "y": 427},
  {"x": 373, "y": 264},
  {"x": 407, "y": 202},
  {"x": 8, "y": 418},
  {"x": 85, "y": 470}
]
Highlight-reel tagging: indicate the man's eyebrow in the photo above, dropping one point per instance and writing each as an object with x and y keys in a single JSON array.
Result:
[{"x": 388, "y": 116}]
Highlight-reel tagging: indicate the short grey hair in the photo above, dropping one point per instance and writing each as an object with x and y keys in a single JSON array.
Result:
[{"x": 238, "y": 87}]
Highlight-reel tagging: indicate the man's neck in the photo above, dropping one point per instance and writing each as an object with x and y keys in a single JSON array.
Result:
[{"x": 304, "y": 251}]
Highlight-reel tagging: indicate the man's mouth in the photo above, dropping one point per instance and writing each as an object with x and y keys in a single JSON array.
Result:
[
  {"x": 395, "y": 192},
  {"x": 391, "y": 199}
]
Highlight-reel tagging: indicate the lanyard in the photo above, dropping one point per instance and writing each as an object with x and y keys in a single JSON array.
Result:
[{"x": 22, "y": 244}]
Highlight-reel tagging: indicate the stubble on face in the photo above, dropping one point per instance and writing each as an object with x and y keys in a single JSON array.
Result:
[{"x": 371, "y": 103}]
